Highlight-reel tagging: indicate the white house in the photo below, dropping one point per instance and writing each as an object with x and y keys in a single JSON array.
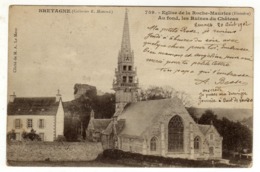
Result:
[{"x": 45, "y": 115}]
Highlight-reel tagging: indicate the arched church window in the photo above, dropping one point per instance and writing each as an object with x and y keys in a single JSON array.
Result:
[
  {"x": 197, "y": 143},
  {"x": 153, "y": 144},
  {"x": 175, "y": 134}
]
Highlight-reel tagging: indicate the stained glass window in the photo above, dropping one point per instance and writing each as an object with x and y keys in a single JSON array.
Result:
[
  {"x": 197, "y": 143},
  {"x": 153, "y": 144},
  {"x": 175, "y": 134}
]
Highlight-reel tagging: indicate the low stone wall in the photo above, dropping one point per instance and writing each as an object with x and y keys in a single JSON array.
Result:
[{"x": 53, "y": 151}]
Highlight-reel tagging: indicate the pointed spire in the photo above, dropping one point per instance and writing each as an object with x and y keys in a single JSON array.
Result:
[{"x": 125, "y": 45}]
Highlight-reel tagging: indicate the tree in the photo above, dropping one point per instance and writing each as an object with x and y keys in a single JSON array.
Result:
[
  {"x": 32, "y": 136},
  {"x": 193, "y": 113},
  {"x": 165, "y": 92},
  {"x": 80, "y": 108},
  {"x": 71, "y": 128},
  {"x": 11, "y": 135},
  {"x": 104, "y": 105},
  {"x": 207, "y": 117},
  {"x": 236, "y": 136}
]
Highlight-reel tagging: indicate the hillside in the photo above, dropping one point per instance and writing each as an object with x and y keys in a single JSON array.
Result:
[
  {"x": 245, "y": 116},
  {"x": 231, "y": 114},
  {"x": 248, "y": 122}
]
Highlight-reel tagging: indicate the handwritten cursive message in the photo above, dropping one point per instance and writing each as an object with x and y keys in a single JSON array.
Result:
[{"x": 211, "y": 48}]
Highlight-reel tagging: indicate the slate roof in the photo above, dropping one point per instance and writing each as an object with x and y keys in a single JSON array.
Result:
[
  {"x": 204, "y": 128},
  {"x": 98, "y": 124},
  {"x": 33, "y": 106},
  {"x": 119, "y": 127},
  {"x": 140, "y": 115}
]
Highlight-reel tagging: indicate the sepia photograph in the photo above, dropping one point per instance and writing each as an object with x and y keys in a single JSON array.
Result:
[{"x": 122, "y": 86}]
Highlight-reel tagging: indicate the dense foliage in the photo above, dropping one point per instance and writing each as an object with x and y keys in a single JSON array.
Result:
[
  {"x": 137, "y": 158},
  {"x": 165, "y": 92},
  {"x": 11, "y": 135},
  {"x": 236, "y": 137},
  {"x": 31, "y": 136},
  {"x": 80, "y": 108}
]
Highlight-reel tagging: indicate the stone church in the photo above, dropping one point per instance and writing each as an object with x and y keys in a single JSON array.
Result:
[{"x": 156, "y": 127}]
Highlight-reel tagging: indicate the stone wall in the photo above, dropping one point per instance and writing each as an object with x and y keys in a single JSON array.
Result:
[{"x": 53, "y": 151}]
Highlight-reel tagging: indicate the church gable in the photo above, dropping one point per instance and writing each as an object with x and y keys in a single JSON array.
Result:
[
  {"x": 98, "y": 125},
  {"x": 148, "y": 113},
  {"x": 174, "y": 109}
]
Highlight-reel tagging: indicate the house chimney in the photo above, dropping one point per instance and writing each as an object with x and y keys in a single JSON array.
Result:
[
  {"x": 12, "y": 97},
  {"x": 58, "y": 96}
]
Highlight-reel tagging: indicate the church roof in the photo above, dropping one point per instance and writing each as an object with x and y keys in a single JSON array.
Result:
[
  {"x": 119, "y": 127},
  {"x": 208, "y": 128},
  {"x": 33, "y": 106},
  {"x": 139, "y": 115},
  {"x": 204, "y": 128},
  {"x": 98, "y": 124}
]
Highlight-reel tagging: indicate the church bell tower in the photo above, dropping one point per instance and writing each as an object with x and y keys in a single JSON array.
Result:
[{"x": 125, "y": 83}]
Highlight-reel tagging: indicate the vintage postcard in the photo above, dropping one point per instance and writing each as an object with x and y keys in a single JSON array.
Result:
[{"x": 107, "y": 86}]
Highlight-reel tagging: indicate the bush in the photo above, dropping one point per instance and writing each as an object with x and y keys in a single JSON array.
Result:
[
  {"x": 11, "y": 135},
  {"x": 60, "y": 139},
  {"x": 166, "y": 161},
  {"x": 32, "y": 136}
]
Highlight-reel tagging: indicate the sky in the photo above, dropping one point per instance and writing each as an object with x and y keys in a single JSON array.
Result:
[{"x": 58, "y": 50}]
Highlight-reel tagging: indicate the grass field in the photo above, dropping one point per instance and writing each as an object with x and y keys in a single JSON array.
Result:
[{"x": 63, "y": 164}]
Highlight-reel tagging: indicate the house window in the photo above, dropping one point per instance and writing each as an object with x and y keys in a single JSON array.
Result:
[
  {"x": 124, "y": 68},
  {"x": 153, "y": 144},
  {"x": 41, "y": 123},
  {"x": 17, "y": 123},
  {"x": 41, "y": 136},
  {"x": 29, "y": 123},
  {"x": 129, "y": 68},
  {"x": 17, "y": 136},
  {"x": 124, "y": 79},
  {"x": 130, "y": 79},
  {"x": 197, "y": 143},
  {"x": 175, "y": 134}
]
